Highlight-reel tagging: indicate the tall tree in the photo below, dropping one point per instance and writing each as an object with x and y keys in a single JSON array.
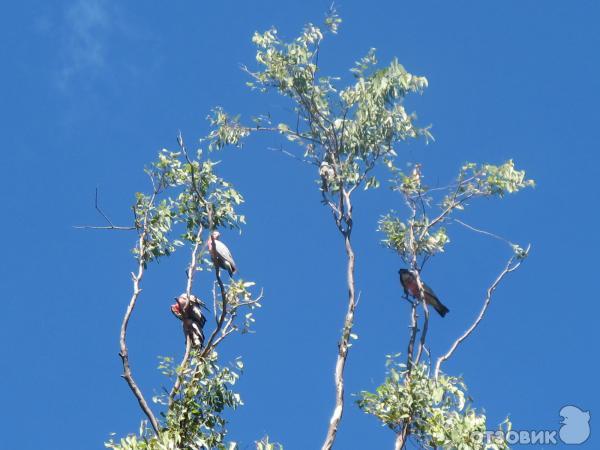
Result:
[
  {"x": 187, "y": 203},
  {"x": 411, "y": 401},
  {"x": 344, "y": 132}
]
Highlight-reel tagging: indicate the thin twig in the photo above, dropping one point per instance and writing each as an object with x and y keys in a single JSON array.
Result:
[
  {"x": 110, "y": 226},
  {"x": 291, "y": 155},
  {"x": 511, "y": 266},
  {"x": 487, "y": 233}
]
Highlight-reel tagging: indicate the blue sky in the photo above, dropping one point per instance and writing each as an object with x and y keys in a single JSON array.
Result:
[{"x": 92, "y": 89}]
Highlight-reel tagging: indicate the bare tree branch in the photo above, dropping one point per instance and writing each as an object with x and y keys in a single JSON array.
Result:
[
  {"x": 110, "y": 226},
  {"x": 347, "y": 331},
  {"x": 487, "y": 233},
  {"x": 124, "y": 353},
  {"x": 221, "y": 319},
  {"x": 290, "y": 155},
  {"x": 511, "y": 266},
  {"x": 423, "y": 331}
]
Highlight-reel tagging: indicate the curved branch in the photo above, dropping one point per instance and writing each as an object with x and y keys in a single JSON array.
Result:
[
  {"x": 511, "y": 266},
  {"x": 487, "y": 233},
  {"x": 124, "y": 353}
]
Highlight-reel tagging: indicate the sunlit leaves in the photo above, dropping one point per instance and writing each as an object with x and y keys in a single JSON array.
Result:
[
  {"x": 226, "y": 130},
  {"x": 195, "y": 419},
  {"x": 188, "y": 200},
  {"x": 422, "y": 241},
  {"x": 187, "y": 194},
  {"x": 197, "y": 413},
  {"x": 489, "y": 179},
  {"x": 439, "y": 411},
  {"x": 266, "y": 444},
  {"x": 351, "y": 128},
  {"x": 424, "y": 232}
]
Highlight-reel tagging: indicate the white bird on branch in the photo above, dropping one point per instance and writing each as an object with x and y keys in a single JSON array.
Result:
[
  {"x": 220, "y": 254},
  {"x": 327, "y": 174}
]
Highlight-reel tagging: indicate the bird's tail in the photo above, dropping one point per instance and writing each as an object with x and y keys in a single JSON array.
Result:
[{"x": 439, "y": 307}]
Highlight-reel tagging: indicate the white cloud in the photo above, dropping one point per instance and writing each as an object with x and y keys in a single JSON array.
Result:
[{"x": 88, "y": 26}]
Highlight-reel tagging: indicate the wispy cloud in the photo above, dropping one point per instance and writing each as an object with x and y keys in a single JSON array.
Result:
[{"x": 88, "y": 25}]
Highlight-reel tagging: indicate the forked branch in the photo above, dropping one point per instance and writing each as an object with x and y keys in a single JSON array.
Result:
[{"x": 110, "y": 225}]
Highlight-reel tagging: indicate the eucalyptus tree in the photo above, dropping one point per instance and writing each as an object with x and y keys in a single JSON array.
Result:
[
  {"x": 186, "y": 204},
  {"x": 344, "y": 132},
  {"x": 432, "y": 408}
]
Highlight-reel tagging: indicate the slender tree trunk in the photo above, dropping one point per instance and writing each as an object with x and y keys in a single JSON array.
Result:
[
  {"x": 343, "y": 347},
  {"x": 401, "y": 438}
]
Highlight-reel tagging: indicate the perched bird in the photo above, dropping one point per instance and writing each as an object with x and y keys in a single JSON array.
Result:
[
  {"x": 409, "y": 283},
  {"x": 187, "y": 309},
  {"x": 327, "y": 174},
  {"x": 220, "y": 254}
]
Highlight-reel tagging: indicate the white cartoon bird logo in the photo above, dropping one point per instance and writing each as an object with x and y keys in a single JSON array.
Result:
[{"x": 575, "y": 425}]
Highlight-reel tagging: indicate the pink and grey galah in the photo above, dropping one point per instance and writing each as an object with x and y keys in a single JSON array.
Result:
[
  {"x": 408, "y": 280},
  {"x": 220, "y": 254},
  {"x": 187, "y": 309}
]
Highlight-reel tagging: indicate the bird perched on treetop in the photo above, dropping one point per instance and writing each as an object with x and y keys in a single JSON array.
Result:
[
  {"x": 220, "y": 254},
  {"x": 327, "y": 175},
  {"x": 187, "y": 309},
  {"x": 408, "y": 280}
]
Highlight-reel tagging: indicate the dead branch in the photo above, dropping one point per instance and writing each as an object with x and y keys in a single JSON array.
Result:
[{"x": 110, "y": 226}]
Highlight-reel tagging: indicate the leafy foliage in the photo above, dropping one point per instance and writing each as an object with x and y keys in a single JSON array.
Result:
[
  {"x": 439, "y": 411},
  {"x": 265, "y": 444},
  {"x": 422, "y": 235},
  {"x": 345, "y": 131},
  {"x": 195, "y": 419},
  {"x": 187, "y": 193},
  {"x": 349, "y": 128},
  {"x": 196, "y": 416},
  {"x": 188, "y": 200}
]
